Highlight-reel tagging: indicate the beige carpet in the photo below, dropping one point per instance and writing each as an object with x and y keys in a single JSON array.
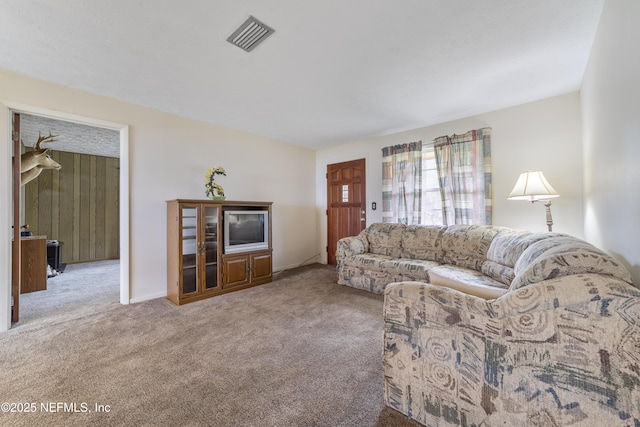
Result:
[{"x": 301, "y": 351}]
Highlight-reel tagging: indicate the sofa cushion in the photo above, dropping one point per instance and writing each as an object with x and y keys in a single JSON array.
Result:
[
  {"x": 368, "y": 261},
  {"x": 562, "y": 256},
  {"x": 385, "y": 239},
  {"x": 504, "y": 251},
  {"x": 409, "y": 269},
  {"x": 467, "y": 245},
  {"x": 467, "y": 280},
  {"x": 422, "y": 242}
]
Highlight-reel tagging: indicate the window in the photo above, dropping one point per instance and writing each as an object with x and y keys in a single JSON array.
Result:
[
  {"x": 431, "y": 212},
  {"x": 447, "y": 181}
]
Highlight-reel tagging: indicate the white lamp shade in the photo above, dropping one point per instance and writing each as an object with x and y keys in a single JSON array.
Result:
[{"x": 532, "y": 185}]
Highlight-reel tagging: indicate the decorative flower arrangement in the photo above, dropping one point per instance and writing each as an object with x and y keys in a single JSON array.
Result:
[{"x": 214, "y": 190}]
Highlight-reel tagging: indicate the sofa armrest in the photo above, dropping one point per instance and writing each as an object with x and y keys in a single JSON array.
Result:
[
  {"x": 350, "y": 246},
  {"x": 412, "y": 297},
  {"x": 563, "y": 351},
  {"x": 346, "y": 248}
]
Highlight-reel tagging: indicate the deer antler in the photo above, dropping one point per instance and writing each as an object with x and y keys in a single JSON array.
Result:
[{"x": 42, "y": 139}]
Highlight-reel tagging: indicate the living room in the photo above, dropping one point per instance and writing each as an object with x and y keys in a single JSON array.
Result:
[
  {"x": 585, "y": 141},
  {"x": 561, "y": 136}
]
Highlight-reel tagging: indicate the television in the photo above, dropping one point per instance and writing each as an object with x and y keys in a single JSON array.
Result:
[{"x": 245, "y": 231}]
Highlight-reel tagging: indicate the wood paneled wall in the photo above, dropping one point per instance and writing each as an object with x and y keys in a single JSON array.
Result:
[{"x": 78, "y": 206}]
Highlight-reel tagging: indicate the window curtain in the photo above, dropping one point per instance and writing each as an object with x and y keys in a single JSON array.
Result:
[
  {"x": 402, "y": 183},
  {"x": 464, "y": 174}
]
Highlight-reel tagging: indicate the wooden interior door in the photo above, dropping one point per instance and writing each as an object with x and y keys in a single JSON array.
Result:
[
  {"x": 346, "y": 203},
  {"x": 15, "y": 247}
]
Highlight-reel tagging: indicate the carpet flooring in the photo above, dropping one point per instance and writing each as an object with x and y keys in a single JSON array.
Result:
[{"x": 301, "y": 351}]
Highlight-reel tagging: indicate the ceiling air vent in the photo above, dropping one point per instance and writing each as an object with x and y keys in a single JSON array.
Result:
[{"x": 250, "y": 34}]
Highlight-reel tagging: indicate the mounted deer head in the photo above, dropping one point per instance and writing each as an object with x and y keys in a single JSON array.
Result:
[{"x": 34, "y": 162}]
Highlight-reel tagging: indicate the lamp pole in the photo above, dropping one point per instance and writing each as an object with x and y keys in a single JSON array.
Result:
[{"x": 547, "y": 206}]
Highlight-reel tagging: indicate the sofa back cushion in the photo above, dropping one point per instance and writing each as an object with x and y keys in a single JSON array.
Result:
[
  {"x": 422, "y": 242},
  {"x": 562, "y": 256},
  {"x": 467, "y": 245},
  {"x": 385, "y": 239},
  {"x": 504, "y": 251}
]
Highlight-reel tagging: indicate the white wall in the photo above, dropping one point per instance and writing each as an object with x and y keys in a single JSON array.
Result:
[
  {"x": 544, "y": 135},
  {"x": 611, "y": 114},
  {"x": 168, "y": 158}
]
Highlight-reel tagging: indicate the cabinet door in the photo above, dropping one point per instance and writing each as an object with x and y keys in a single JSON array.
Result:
[
  {"x": 189, "y": 246},
  {"x": 261, "y": 267},
  {"x": 209, "y": 245},
  {"x": 236, "y": 270},
  {"x": 33, "y": 268}
]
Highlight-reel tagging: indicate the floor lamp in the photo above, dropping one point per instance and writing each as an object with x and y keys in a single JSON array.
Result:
[{"x": 533, "y": 186}]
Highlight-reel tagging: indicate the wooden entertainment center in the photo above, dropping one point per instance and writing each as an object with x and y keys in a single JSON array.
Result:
[{"x": 201, "y": 262}]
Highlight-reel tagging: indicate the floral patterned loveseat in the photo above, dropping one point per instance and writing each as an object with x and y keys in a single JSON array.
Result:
[{"x": 557, "y": 343}]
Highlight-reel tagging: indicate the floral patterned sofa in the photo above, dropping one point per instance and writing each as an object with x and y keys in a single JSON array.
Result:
[{"x": 555, "y": 341}]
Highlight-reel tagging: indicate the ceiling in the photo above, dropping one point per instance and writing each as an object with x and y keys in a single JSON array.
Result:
[
  {"x": 333, "y": 71},
  {"x": 70, "y": 137}
]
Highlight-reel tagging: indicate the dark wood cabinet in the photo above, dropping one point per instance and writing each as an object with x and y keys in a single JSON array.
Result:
[
  {"x": 33, "y": 260},
  {"x": 197, "y": 265}
]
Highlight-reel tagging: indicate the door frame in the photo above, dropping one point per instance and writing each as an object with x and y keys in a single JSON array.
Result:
[{"x": 6, "y": 198}]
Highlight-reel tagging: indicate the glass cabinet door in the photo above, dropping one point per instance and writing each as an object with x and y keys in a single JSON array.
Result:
[
  {"x": 210, "y": 261},
  {"x": 189, "y": 237}
]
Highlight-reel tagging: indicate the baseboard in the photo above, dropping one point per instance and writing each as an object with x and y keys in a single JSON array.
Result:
[
  {"x": 148, "y": 297},
  {"x": 313, "y": 260}
]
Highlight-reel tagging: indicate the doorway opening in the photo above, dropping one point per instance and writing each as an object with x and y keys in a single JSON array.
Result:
[{"x": 75, "y": 250}]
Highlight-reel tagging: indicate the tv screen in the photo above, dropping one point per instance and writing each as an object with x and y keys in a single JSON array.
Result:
[{"x": 246, "y": 230}]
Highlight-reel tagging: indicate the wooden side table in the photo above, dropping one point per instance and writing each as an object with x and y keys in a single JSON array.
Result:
[{"x": 33, "y": 260}]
